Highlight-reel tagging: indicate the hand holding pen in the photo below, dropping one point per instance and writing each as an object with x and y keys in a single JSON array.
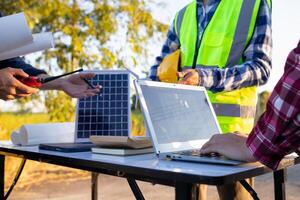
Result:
[{"x": 76, "y": 86}]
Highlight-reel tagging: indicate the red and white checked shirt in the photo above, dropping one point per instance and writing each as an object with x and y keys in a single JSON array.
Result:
[{"x": 277, "y": 133}]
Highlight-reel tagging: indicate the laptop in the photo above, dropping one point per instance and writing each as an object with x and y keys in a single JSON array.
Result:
[
  {"x": 180, "y": 120},
  {"x": 67, "y": 147}
]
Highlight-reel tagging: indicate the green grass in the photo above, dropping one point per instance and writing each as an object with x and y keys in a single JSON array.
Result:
[
  {"x": 12, "y": 121},
  {"x": 137, "y": 123}
]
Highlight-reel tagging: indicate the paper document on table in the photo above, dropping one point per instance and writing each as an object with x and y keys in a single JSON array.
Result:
[
  {"x": 34, "y": 134},
  {"x": 40, "y": 42},
  {"x": 14, "y": 32}
]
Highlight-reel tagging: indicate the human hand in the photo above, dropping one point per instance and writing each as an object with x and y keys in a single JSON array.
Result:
[
  {"x": 76, "y": 87},
  {"x": 188, "y": 77},
  {"x": 232, "y": 146},
  {"x": 10, "y": 87}
]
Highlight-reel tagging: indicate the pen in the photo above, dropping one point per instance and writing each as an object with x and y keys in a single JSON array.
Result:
[
  {"x": 87, "y": 82},
  {"x": 36, "y": 82}
]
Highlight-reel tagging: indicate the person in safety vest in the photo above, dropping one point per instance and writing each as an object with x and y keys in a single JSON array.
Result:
[{"x": 225, "y": 46}]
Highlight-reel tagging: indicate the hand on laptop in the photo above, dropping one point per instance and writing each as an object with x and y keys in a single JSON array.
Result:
[
  {"x": 232, "y": 146},
  {"x": 188, "y": 77}
]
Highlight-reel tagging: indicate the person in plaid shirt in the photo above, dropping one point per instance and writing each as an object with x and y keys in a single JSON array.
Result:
[{"x": 277, "y": 132}]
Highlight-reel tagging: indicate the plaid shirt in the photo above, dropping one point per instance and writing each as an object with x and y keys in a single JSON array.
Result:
[
  {"x": 277, "y": 133},
  {"x": 257, "y": 56}
]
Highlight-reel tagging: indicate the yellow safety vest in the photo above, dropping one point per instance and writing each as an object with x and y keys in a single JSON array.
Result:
[{"x": 222, "y": 45}]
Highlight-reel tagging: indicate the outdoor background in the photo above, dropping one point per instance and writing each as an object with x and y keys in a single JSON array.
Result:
[{"x": 93, "y": 34}]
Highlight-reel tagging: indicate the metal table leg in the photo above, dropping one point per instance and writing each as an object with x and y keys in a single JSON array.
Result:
[
  {"x": 2, "y": 173},
  {"x": 135, "y": 189},
  {"x": 94, "y": 185},
  {"x": 186, "y": 191},
  {"x": 249, "y": 188},
  {"x": 279, "y": 184}
]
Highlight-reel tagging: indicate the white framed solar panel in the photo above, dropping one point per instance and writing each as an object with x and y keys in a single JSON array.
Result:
[{"x": 107, "y": 113}]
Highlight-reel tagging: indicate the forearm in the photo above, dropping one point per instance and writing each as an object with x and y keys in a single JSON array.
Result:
[
  {"x": 153, "y": 72},
  {"x": 19, "y": 63},
  {"x": 53, "y": 85},
  {"x": 277, "y": 132},
  {"x": 262, "y": 149},
  {"x": 271, "y": 152},
  {"x": 251, "y": 73}
]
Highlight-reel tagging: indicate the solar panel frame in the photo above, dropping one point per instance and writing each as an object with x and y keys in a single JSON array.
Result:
[{"x": 116, "y": 101}]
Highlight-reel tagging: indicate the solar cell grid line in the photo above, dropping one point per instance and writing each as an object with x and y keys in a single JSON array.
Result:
[
  {"x": 107, "y": 80},
  {"x": 107, "y": 113}
]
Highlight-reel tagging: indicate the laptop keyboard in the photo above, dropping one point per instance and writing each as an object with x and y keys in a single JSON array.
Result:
[
  {"x": 197, "y": 153},
  {"x": 214, "y": 158}
]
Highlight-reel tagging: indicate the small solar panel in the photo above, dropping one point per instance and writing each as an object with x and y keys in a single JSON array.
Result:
[{"x": 107, "y": 113}]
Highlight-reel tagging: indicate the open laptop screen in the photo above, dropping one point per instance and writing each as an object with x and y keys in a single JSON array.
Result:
[{"x": 178, "y": 113}]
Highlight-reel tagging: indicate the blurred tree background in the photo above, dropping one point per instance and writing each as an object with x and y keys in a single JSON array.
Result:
[
  {"x": 263, "y": 98},
  {"x": 88, "y": 33}
]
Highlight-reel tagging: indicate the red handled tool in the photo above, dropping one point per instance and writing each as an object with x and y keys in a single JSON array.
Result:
[{"x": 35, "y": 82}]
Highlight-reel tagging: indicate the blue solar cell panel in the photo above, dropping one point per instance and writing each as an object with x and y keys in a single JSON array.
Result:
[{"x": 107, "y": 113}]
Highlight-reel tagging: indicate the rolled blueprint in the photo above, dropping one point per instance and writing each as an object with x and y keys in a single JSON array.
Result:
[
  {"x": 34, "y": 134},
  {"x": 41, "y": 41},
  {"x": 14, "y": 32}
]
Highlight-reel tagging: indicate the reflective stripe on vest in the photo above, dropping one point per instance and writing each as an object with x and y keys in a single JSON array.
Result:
[
  {"x": 222, "y": 45},
  {"x": 234, "y": 110},
  {"x": 179, "y": 19},
  {"x": 241, "y": 33}
]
